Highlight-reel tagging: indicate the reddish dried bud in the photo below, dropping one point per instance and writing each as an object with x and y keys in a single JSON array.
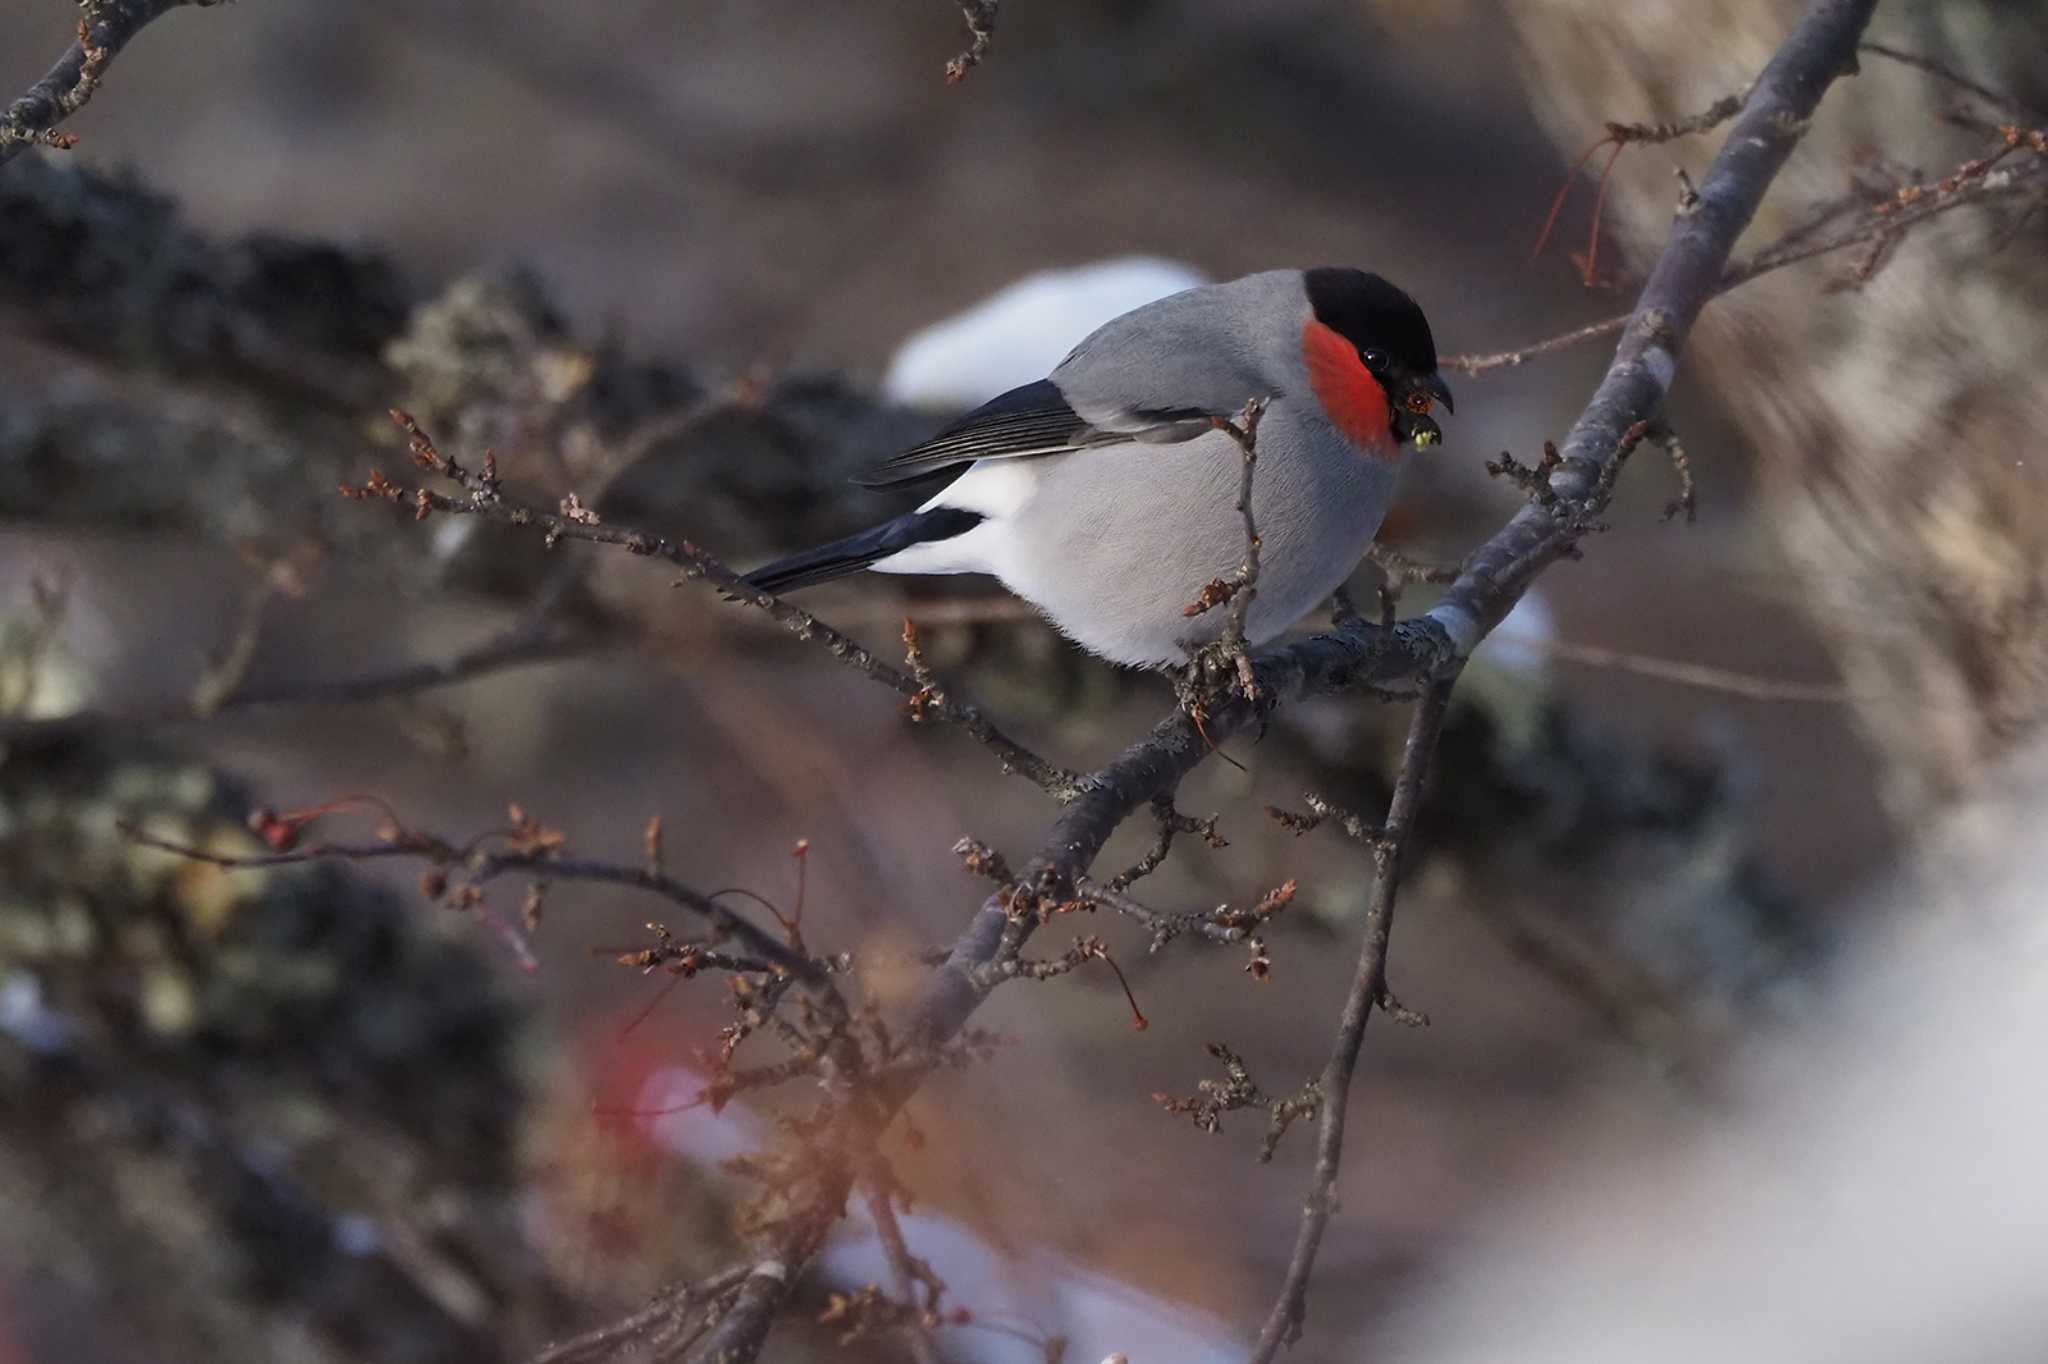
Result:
[
  {"x": 1276, "y": 899},
  {"x": 280, "y": 833},
  {"x": 434, "y": 883}
]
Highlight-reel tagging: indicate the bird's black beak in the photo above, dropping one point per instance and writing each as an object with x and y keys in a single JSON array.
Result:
[
  {"x": 1412, "y": 423},
  {"x": 1433, "y": 384}
]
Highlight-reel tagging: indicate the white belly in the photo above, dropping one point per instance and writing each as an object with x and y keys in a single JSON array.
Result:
[{"x": 1114, "y": 543}]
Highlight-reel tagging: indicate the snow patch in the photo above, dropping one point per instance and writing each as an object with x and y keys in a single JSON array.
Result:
[{"x": 1019, "y": 333}]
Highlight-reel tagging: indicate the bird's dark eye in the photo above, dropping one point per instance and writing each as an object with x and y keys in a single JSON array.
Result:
[{"x": 1375, "y": 360}]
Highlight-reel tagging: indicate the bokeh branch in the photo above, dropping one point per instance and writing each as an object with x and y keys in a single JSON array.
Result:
[
  {"x": 466, "y": 866},
  {"x": 533, "y": 639},
  {"x": 104, "y": 28}
]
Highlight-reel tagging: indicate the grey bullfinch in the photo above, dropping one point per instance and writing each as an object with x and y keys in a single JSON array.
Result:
[{"x": 1105, "y": 494}]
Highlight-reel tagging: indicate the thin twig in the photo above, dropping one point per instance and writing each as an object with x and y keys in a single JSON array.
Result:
[
  {"x": 1236, "y": 1091},
  {"x": 1222, "y": 924},
  {"x": 574, "y": 521},
  {"x": 481, "y": 867},
  {"x": 1706, "y": 120},
  {"x": 104, "y": 28},
  {"x": 1620, "y": 136},
  {"x": 667, "y": 1308},
  {"x": 225, "y": 675},
  {"x": 1480, "y": 363},
  {"x": 1665, "y": 436},
  {"x": 1941, "y": 71},
  {"x": 1238, "y": 588},
  {"x": 981, "y": 29},
  {"x": 909, "y": 1272},
  {"x": 1801, "y": 244},
  {"x": 528, "y": 642},
  {"x": 743, "y": 1330},
  {"x": 1752, "y": 685},
  {"x": 1368, "y": 992},
  {"x": 1245, "y": 431}
]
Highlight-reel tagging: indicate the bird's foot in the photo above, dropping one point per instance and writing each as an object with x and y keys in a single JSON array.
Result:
[{"x": 1215, "y": 672}]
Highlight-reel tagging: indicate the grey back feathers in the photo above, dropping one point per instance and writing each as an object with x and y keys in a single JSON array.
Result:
[
  {"x": 1155, "y": 374},
  {"x": 1212, "y": 349}
]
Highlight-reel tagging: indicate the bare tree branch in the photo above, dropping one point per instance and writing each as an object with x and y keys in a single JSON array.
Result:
[
  {"x": 1687, "y": 275},
  {"x": 479, "y": 867},
  {"x": 1702, "y": 675},
  {"x": 981, "y": 29},
  {"x": 1368, "y": 992},
  {"x": 104, "y": 28},
  {"x": 908, "y": 1271},
  {"x": 1940, "y": 71},
  {"x": 740, "y": 1333},
  {"x": 532, "y": 640},
  {"x": 662, "y": 1314}
]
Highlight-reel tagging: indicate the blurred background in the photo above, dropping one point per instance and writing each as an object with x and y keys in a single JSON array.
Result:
[{"x": 683, "y": 259}]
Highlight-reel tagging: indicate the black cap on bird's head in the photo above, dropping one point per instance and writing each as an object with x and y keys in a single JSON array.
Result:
[{"x": 1393, "y": 341}]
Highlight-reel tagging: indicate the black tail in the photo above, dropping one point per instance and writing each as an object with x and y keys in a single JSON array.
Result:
[{"x": 856, "y": 552}]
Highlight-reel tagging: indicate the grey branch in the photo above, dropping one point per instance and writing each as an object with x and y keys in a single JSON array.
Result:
[
  {"x": 1368, "y": 992},
  {"x": 981, "y": 29},
  {"x": 105, "y": 27},
  {"x": 1687, "y": 275},
  {"x": 649, "y": 1325},
  {"x": 530, "y": 641},
  {"x": 480, "y": 868}
]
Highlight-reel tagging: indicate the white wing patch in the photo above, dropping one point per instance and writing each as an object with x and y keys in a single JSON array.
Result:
[{"x": 994, "y": 489}]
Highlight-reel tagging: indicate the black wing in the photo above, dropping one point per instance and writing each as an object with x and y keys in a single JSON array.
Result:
[
  {"x": 856, "y": 552},
  {"x": 1032, "y": 420}
]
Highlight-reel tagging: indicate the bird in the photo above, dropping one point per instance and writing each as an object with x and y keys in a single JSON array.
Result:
[{"x": 1106, "y": 493}]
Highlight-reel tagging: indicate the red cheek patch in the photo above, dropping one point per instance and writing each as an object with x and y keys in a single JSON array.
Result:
[{"x": 1351, "y": 397}]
